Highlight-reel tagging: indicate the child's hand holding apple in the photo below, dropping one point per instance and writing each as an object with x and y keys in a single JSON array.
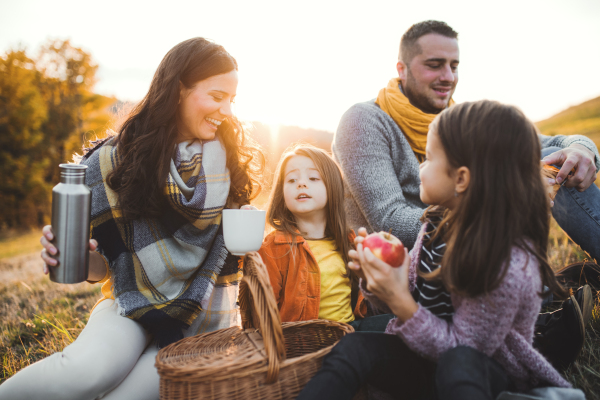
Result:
[{"x": 389, "y": 283}]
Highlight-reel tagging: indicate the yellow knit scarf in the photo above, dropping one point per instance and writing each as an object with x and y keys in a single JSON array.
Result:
[{"x": 413, "y": 122}]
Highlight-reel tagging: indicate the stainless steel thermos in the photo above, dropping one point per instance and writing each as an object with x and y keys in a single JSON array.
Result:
[{"x": 71, "y": 206}]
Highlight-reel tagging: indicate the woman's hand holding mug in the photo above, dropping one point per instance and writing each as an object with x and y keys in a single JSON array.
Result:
[{"x": 243, "y": 229}]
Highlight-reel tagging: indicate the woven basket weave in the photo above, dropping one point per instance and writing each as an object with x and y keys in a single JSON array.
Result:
[{"x": 264, "y": 359}]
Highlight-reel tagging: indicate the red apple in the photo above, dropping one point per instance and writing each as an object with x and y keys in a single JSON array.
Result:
[{"x": 386, "y": 247}]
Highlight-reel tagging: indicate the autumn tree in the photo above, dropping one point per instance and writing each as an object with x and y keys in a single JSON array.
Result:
[{"x": 47, "y": 111}]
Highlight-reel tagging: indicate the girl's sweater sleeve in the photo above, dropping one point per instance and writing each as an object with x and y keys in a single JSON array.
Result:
[{"x": 480, "y": 322}]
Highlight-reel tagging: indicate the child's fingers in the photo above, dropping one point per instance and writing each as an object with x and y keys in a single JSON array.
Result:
[
  {"x": 378, "y": 271},
  {"x": 362, "y": 232},
  {"x": 407, "y": 259},
  {"x": 363, "y": 263},
  {"x": 359, "y": 238},
  {"x": 355, "y": 265},
  {"x": 406, "y": 264},
  {"x": 357, "y": 270},
  {"x": 93, "y": 244},
  {"x": 369, "y": 255},
  {"x": 360, "y": 253},
  {"x": 375, "y": 263}
]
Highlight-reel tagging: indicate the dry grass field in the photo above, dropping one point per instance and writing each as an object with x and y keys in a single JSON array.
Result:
[{"x": 40, "y": 317}]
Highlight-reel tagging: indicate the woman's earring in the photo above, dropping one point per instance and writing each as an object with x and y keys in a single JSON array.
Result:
[{"x": 455, "y": 193}]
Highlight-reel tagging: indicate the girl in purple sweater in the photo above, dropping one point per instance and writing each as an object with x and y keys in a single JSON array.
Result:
[{"x": 468, "y": 295}]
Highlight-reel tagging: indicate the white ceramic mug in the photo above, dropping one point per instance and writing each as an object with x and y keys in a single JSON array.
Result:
[{"x": 243, "y": 230}]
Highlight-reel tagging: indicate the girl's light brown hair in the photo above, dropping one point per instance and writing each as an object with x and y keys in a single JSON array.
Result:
[
  {"x": 505, "y": 204},
  {"x": 282, "y": 219}
]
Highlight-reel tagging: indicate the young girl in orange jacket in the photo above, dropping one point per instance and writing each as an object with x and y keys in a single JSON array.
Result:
[{"x": 307, "y": 254}]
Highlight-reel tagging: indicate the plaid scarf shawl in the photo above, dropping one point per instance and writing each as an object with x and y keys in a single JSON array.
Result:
[{"x": 164, "y": 269}]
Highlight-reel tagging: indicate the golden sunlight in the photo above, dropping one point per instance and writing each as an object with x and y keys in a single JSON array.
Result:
[{"x": 274, "y": 131}]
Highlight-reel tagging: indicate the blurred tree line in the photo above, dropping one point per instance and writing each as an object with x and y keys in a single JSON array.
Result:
[{"x": 47, "y": 112}]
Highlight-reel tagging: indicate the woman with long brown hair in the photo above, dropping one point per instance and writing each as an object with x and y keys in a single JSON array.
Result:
[{"x": 158, "y": 189}]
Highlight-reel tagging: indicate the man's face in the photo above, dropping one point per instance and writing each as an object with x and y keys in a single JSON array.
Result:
[{"x": 430, "y": 78}]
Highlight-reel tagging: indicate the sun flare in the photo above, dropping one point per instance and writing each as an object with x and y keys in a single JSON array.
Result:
[{"x": 274, "y": 132}]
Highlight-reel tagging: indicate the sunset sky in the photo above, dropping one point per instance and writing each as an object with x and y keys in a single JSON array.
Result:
[{"x": 304, "y": 63}]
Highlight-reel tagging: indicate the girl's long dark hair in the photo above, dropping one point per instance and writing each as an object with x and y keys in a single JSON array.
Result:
[
  {"x": 146, "y": 140},
  {"x": 280, "y": 217},
  {"x": 505, "y": 204}
]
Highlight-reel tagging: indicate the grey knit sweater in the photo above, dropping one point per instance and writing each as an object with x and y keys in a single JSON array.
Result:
[{"x": 381, "y": 172}]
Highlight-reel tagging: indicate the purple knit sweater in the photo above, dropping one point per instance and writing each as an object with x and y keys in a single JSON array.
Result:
[{"x": 499, "y": 324}]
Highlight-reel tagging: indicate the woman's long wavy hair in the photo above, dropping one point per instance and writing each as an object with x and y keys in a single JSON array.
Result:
[
  {"x": 336, "y": 227},
  {"x": 505, "y": 204},
  {"x": 147, "y": 139}
]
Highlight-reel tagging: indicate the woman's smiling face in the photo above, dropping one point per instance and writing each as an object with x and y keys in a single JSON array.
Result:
[{"x": 204, "y": 106}]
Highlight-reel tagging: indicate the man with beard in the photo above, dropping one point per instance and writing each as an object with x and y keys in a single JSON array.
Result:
[{"x": 381, "y": 143}]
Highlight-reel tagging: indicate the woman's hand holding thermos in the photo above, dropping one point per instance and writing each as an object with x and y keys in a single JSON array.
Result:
[
  {"x": 50, "y": 250},
  {"x": 97, "y": 267}
]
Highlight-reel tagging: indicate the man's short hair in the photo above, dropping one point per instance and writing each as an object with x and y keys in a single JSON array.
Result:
[{"x": 409, "y": 47}]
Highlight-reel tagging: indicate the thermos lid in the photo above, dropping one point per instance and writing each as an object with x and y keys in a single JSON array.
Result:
[{"x": 72, "y": 170}]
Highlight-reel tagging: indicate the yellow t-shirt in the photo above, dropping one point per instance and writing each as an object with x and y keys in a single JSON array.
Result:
[{"x": 335, "y": 288}]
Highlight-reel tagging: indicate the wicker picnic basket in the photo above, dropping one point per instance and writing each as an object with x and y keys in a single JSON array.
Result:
[{"x": 264, "y": 359}]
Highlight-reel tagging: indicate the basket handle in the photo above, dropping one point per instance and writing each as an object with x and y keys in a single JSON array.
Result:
[{"x": 258, "y": 310}]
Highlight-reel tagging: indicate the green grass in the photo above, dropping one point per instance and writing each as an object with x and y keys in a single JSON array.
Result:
[
  {"x": 585, "y": 373},
  {"x": 23, "y": 243},
  {"x": 40, "y": 318}
]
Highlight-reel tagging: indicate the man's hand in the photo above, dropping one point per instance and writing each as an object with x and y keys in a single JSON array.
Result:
[{"x": 578, "y": 157}]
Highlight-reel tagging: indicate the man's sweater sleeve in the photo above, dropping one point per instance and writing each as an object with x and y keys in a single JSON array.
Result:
[
  {"x": 362, "y": 148},
  {"x": 566, "y": 141}
]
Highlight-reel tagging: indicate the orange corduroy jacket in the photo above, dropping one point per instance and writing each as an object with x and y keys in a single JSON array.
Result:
[{"x": 296, "y": 278}]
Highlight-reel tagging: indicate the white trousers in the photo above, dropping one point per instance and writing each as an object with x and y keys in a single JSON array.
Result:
[{"x": 112, "y": 359}]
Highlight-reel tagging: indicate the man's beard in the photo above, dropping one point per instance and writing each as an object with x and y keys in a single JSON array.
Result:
[{"x": 419, "y": 100}]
